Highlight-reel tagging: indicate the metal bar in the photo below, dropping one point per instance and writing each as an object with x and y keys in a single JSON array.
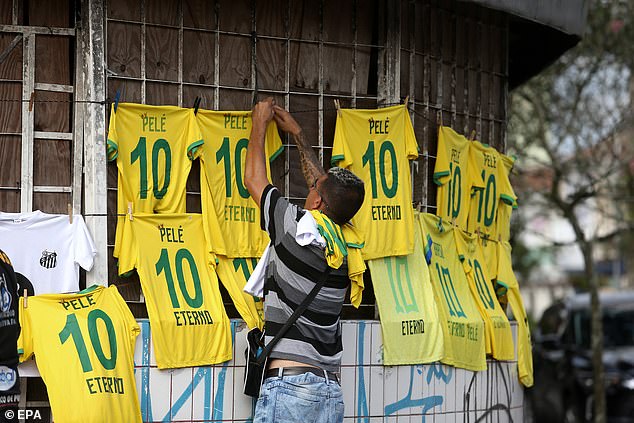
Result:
[
  {"x": 28, "y": 77},
  {"x": 58, "y": 88},
  {"x": 143, "y": 36},
  {"x": 53, "y": 135},
  {"x": 39, "y": 30},
  {"x": 180, "y": 54}
]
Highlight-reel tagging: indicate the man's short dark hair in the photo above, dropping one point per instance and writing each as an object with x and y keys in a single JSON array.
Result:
[{"x": 343, "y": 192}]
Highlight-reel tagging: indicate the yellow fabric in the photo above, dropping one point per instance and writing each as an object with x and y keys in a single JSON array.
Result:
[
  {"x": 188, "y": 320},
  {"x": 524, "y": 349},
  {"x": 455, "y": 176},
  {"x": 489, "y": 253},
  {"x": 464, "y": 329},
  {"x": 223, "y": 192},
  {"x": 377, "y": 145},
  {"x": 84, "y": 345},
  {"x": 410, "y": 323},
  {"x": 485, "y": 201},
  {"x": 498, "y": 335},
  {"x": 154, "y": 147},
  {"x": 234, "y": 274},
  {"x": 343, "y": 241},
  {"x": 504, "y": 209}
]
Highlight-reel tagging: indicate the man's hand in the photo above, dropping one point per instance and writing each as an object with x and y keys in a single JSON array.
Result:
[
  {"x": 285, "y": 121},
  {"x": 262, "y": 112}
]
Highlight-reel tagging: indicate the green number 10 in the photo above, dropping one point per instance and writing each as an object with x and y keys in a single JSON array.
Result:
[
  {"x": 163, "y": 265},
  {"x": 368, "y": 158},
  {"x": 72, "y": 329},
  {"x": 140, "y": 154},
  {"x": 223, "y": 153}
]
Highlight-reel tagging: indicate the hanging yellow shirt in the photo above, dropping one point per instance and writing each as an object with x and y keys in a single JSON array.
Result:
[
  {"x": 377, "y": 145},
  {"x": 234, "y": 274},
  {"x": 187, "y": 316},
  {"x": 84, "y": 345},
  {"x": 411, "y": 327},
  {"x": 498, "y": 335},
  {"x": 504, "y": 209},
  {"x": 485, "y": 201},
  {"x": 464, "y": 327},
  {"x": 524, "y": 347},
  {"x": 154, "y": 147},
  {"x": 223, "y": 191},
  {"x": 454, "y": 175}
]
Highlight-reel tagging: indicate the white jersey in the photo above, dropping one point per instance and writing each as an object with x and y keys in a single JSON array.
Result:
[{"x": 47, "y": 249}]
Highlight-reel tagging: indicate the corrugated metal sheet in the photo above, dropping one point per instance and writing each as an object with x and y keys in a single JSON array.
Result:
[{"x": 568, "y": 16}]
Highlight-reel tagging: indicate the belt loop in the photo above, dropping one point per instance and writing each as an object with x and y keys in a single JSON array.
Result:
[
  {"x": 326, "y": 376},
  {"x": 280, "y": 372}
]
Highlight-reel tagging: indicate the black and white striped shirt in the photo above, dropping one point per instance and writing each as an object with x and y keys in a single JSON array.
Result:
[{"x": 292, "y": 272}]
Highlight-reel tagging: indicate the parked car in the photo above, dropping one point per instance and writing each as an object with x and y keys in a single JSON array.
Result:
[{"x": 563, "y": 390}]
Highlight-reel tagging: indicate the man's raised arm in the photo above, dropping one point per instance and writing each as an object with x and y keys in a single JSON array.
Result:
[{"x": 255, "y": 177}]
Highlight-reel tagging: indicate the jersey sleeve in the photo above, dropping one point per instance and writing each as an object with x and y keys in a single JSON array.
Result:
[
  {"x": 341, "y": 155},
  {"x": 84, "y": 249},
  {"x": 25, "y": 340},
  {"x": 112, "y": 149},
  {"x": 130, "y": 321},
  {"x": 507, "y": 194},
  {"x": 411, "y": 146},
  {"x": 194, "y": 136},
  {"x": 462, "y": 248},
  {"x": 273, "y": 141},
  {"x": 442, "y": 172},
  {"x": 129, "y": 249}
]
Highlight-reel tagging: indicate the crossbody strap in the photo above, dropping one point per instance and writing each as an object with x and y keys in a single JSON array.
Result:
[{"x": 298, "y": 311}]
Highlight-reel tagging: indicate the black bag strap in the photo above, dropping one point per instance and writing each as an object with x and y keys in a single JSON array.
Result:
[{"x": 291, "y": 320}]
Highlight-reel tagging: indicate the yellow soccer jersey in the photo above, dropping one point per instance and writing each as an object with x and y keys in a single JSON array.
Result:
[
  {"x": 154, "y": 147},
  {"x": 453, "y": 174},
  {"x": 84, "y": 346},
  {"x": 485, "y": 201},
  {"x": 188, "y": 320},
  {"x": 377, "y": 145},
  {"x": 504, "y": 209},
  {"x": 234, "y": 274},
  {"x": 464, "y": 327},
  {"x": 524, "y": 349},
  {"x": 223, "y": 190},
  {"x": 498, "y": 335},
  {"x": 411, "y": 328}
]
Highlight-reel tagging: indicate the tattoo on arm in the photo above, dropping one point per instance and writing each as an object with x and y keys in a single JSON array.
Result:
[{"x": 311, "y": 168}]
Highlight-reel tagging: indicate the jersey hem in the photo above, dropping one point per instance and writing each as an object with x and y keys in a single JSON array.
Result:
[
  {"x": 276, "y": 154},
  {"x": 508, "y": 199}
]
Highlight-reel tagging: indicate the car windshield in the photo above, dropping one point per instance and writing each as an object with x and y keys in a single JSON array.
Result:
[{"x": 618, "y": 328}]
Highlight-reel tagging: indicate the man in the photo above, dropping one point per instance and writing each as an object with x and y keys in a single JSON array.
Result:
[
  {"x": 9, "y": 331},
  {"x": 301, "y": 384}
]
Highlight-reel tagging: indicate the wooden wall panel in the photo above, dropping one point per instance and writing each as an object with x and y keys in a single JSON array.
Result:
[
  {"x": 304, "y": 67},
  {"x": 161, "y": 94},
  {"x": 54, "y": 56},
  {"x": 235, "y": 61},
  {"x": 52, "y": 111},
  {"x": 235, "y": 15},
  {"x": 10, "y": 201},
  {"x": 338, "y": 71},
  {"x": 52, "y": 163},
  {"x": 271, "y": 17},
  {"x": 54, "y": 13},
  {"x": 6, "y": 13},
  {"x": 164, "y": 12},
  {"x": 199, "y": 14},
  {"x": 123, "y": 46},
  {"x": 51, "y": 202},
  {"x": 130, "y": 91},
  {"x": 10, "y": 158},
  {"x": 271, "y": 65},
  {"x": 124, "y": 9},
  {"x": 161, "y": 53},
  {"x": 199, "y": 50},
  {"x": 338, "y": 21},
  {"x": 11, "y": 110},
  {"x": 207, "y": 95},
  {"x": 11, "y": 66},
  {"x": 304, "y": 20},
  {"x": 235, "y": 99}
]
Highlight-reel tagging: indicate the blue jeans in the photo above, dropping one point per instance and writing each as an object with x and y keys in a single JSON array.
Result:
[{"x": 303, "y": 398}]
